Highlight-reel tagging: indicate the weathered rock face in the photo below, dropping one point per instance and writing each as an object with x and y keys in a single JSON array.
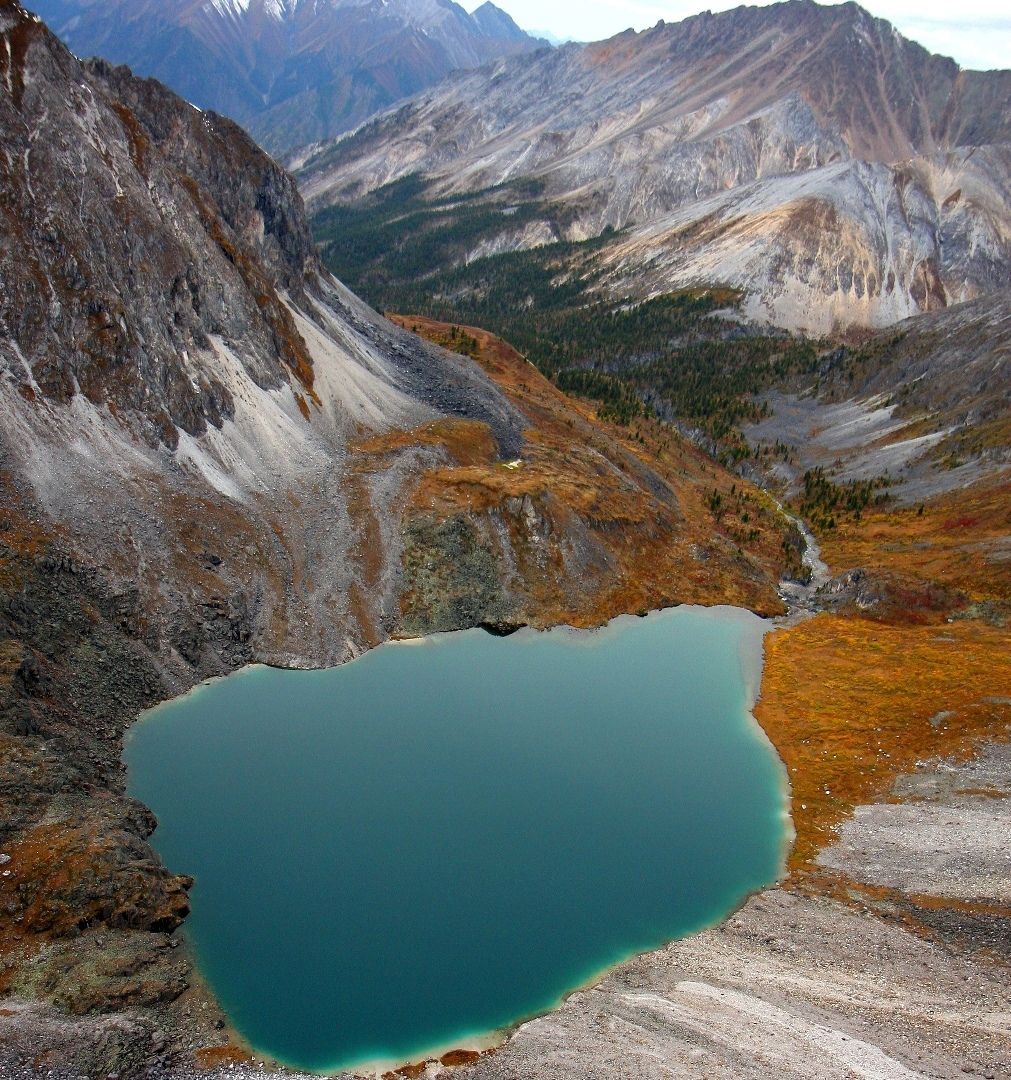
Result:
[
  {"x": 291, "y": 71},
  {"x": 810, "y": 155},
  {"x": 849, "y": 244},
  {"x": 167, "y": 335}
]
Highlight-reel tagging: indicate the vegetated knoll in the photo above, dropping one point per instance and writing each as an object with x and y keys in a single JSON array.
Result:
[
  {"x": 959, "y": 541},
  {"x": 290, "y": 71},
  {"x": 599, "y": 518},
  {"x": 836, "y": 173}
]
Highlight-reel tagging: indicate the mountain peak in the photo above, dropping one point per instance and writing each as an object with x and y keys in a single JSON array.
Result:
[
  {"x": 496, "y": 22},
  {"x": 493, "y": 19},
  {"x": 835, "y": 157},
  {"x": 291, "y": 71}
]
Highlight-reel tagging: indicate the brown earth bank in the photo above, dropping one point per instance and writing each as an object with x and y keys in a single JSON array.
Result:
[{"x": 842, "y": 971}]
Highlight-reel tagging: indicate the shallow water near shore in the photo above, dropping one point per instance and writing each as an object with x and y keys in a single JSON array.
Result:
[{"x": 433, "y": 843}]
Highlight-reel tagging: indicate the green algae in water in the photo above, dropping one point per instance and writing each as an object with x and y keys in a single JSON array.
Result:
[{"x": 441, "y": 839}]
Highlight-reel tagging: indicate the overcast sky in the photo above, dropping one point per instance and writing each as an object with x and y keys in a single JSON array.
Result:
[{"x": 977, "y": 33}]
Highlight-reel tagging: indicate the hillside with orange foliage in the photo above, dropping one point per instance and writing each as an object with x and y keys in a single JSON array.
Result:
[
  {"x": 962, "y": 539},
  {"x": 601, "y": 519}
]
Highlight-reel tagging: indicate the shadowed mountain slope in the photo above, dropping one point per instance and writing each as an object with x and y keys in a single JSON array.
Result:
[{"x": 291, "y": 71}]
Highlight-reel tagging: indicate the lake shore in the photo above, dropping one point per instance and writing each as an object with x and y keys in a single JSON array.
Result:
[
  {"x": 641, "y": 713},
  {"x": 828, "y": 948},
  {"x": 837, "y": 956},
  {"x": 837, "y": 971}
]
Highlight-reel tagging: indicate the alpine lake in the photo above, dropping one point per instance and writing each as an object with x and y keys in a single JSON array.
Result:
[{"x": 432, "y": 843}]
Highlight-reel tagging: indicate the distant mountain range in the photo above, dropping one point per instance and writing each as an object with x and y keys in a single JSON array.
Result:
[
  {"x": 810, "y": 156},
  {"x": 290, "y": 71}
]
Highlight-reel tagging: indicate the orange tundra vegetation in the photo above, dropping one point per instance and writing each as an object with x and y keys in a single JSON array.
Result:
[
  {"x": 663, "y": 548},
  {"x": 955, "y": 541},
  {"x": 851, "y": 704}
]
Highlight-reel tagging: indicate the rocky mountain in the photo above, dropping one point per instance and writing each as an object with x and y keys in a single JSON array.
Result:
[
  {"x": 837, "y": 173},
  {"x": 212, "y": 453},
  {"x": 924, "y": 404},
  {"x": 167, "y": 334},
  {"x": 290, "y": 71}
]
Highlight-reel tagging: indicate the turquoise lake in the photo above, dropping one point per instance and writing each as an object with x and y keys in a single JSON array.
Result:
[{"x": 444, "y": 838}]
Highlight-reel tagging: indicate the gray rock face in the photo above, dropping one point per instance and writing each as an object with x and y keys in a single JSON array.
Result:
[
  {"x": 167, "y": 333},
  {"x": 809, "y": 155},
  {"x": 290, "y": 70},
  {"x": 850, "y": 244},
  {"x": 925, "y": 403}
]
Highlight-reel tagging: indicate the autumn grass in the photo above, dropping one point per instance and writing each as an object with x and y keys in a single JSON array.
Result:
[
  {"x": 955, "y": 541},
  {"x": 852, "y": 704},
  {"x": 662, "y": 550}
]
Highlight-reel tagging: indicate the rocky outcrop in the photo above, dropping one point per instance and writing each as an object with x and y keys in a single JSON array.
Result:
[
  {"x": 837, "y": 173},
  {"x": 292, "y": 72},
  {"x": 180, "y": 376},
  {"x": 891, "y": 597}
]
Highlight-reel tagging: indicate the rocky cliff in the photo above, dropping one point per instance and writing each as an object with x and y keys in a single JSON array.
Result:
[
  {"x": 290, "y": 71},
  {"x": 837, "y": 173}
]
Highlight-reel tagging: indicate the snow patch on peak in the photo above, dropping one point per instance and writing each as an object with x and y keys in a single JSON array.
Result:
[
  {"x": 233, "y": 8},
  {"x": 278, "y": 10}
]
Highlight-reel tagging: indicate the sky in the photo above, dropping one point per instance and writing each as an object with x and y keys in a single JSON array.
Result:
[{"x": 977, "y": 33}]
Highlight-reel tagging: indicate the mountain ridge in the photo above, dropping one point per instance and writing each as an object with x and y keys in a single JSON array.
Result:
[
  {"x": 770, "y": 130},
  {"x": 288, "y": 70}
]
